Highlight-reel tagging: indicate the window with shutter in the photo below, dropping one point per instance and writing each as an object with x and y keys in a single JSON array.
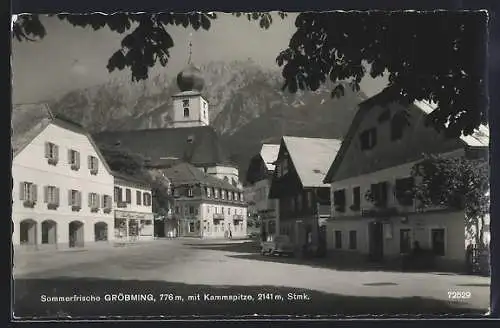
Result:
[
  {"x": 128, "y": 196},
  {"x": 74, "y": 159},
  {"x": 138, "y": 197},
  {"x": 51, "y": 153}
]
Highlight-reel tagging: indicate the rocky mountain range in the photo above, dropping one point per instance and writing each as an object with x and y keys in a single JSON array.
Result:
[{"x": 247, "y": 107}]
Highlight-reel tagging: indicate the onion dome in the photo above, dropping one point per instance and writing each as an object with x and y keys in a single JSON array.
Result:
[{"x": 190, "y": 79}]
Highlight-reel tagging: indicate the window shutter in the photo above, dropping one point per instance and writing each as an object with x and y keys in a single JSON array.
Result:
[
  {"x": 90, "y": 199},
  {"x": 79, "y": 198},
  {"x": 89, "y": 161},
  {"x": 70, "y": 199},
  {"x": 103, "y": 197},
  {"x": 47, "y": 150},
  {"x": 46, "y": 194},
  {"x": 77, "y": 159},
  {"x": 21, "y": 191},
  {"x": 57, "y": 196},
  {"x": 96, "y": 167},
  {"x": 144, "y": 199},
  {"x": 34, "y": 190},
  {"x": 97, "y": 199},
  {"x": 56, "y": 152}
]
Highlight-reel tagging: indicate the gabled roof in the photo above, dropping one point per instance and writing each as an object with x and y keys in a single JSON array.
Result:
[
  {"x": 185, "y": 173},
  {"x": 136, "y": 178},
  {"x": 478, "y": 139},
  {"x": 311, "y": 158},
  {"x": 29, "y": 120},
  {"x": 269, "y": 154},
  {"x": 199, "y": 146}
]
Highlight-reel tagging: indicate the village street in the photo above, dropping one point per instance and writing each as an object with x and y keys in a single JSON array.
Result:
[{"x": 176, "y": 271}]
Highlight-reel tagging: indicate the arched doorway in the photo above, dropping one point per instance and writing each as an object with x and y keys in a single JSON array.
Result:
[
  {"x": 101, "y": 231},
  {"x": 49, "y": 232},
  {"x": 27, "y": 232},
  {"x": 76, "y": 234}
]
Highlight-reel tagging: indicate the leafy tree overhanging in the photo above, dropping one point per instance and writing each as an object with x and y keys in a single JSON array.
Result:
[{"x": 438, "y": 56}]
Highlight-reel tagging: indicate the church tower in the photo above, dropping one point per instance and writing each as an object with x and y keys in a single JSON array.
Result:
[{"x": 190, "y": 109}]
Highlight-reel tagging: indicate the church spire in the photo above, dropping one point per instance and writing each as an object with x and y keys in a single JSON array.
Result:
[{"x": 190, "y": 47}]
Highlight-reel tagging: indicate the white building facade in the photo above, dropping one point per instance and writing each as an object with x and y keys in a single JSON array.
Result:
[
  {"x": 62, "y": 187},
  {"x": 133, "y": 219},
  {"x": 373, "y": 212}
]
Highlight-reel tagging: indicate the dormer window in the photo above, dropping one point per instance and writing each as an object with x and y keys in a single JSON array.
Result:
[
  {"x": 186, "y": 112},
  {"x": 368, "y": 139},
  {"x": 223, "y": 192},
  {"x": 190, "y": 192}
]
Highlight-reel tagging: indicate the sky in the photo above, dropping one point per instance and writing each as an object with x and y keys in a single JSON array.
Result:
[{"x": 71, "y": 58}]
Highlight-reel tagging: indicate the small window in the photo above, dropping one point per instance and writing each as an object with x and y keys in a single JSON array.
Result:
[
  {"x": 191, "y": 209},
  {"x": 185, "y": 103},
  {"x": 404, "y": 191},
  {"x": 52, "y": 153},
  {"x": 74, "y": 159},
  {"x": 438, "y": 241},
  {"x": 353, "y": 242},
  {"x": 356, "y": 199},
  {"x": 146, "y": 199},
  {"x": 186, "y": 112},
  {"x": 209, "y": 192},
  {"x": 28, "y": 192},
  {"x": 190, "y": 192},
  {"x": 177, "y": 210},
  {"x": 128, "y": 196},
  {"x": 379, "y": 194},
  {"x": 339, "y": 200},
  {"x": 118, "y": 194},
  {"x": 398, "y": 124},
  {"x": 93, "y": 200},
  {"x": 368, "y": 139},
  {"x": 223, "y": 194},
  {"x": 93, "y": 165},
  {"x": 138, "y": 197},
  {"x": 338, "y": 239}
]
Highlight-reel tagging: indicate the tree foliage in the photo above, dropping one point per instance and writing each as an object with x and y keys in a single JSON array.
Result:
[
  {"x": 134, "y": 165},
  {"x": 146, "y": 41},
  {"x": 458, "y": 183},
  {"x": 438, "y": 56}
]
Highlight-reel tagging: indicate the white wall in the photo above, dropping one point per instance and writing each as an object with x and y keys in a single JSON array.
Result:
[
  {"x": 420, "y": 226},
  {"x": 207, "y": 213},
  {"x": 31, "y": 166},
  {"x": 133, "y": 206}
]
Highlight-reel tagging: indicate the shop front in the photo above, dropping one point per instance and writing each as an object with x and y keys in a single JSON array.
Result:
[{"x": 133, "y": 226}]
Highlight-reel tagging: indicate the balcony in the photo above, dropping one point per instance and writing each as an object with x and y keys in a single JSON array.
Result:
[
  {"x": 218, "y": 216},
  {"x": 121, "y": 204},
  {"x": 238, "y": 217}
]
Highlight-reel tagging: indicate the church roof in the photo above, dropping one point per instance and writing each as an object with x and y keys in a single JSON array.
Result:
[
  {"x": 269, "y": 154},
  {"x": 199, "y": 146},
  {"x": 185, "y": 173}
]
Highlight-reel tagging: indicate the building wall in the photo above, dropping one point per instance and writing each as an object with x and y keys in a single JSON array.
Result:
[
  {"x": 364, "y": 181},
  {"x": 420, "y": 225},
  {"x": 417, "y": 139},
  {"x": 134, "y": 211},
  {"x": 198, "y": 111},
  {"x": 210, "y": 211},
  {"x": 31, "y": 166}
]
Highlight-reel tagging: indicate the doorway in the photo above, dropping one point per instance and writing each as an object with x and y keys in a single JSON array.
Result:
[
  {"x": 27, "y": 232},
  {"x": 376, "y": 241},
  {"x": 76, "y": 235}
]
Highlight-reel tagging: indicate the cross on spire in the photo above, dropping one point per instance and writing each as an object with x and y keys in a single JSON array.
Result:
[{"x": 190, "y": 47}]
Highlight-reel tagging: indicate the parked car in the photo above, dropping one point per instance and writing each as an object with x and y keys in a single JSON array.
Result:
[{"x": 280, "y": 245}]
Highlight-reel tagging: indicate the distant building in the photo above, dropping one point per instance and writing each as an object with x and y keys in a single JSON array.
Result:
[
  {"x": 188, "y": 137},
  {"x": 205, "y": 206},
  {"x": 297, "y": 184},
  {"x": 259, "y": 175},
  {"x": 372, "y": 213},
  {"x": 133, "y": 208},
  {"x": 62, "y": 195}
]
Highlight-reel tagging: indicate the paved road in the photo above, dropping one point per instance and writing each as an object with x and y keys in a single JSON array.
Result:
[{"x": 188, "y": 266}]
